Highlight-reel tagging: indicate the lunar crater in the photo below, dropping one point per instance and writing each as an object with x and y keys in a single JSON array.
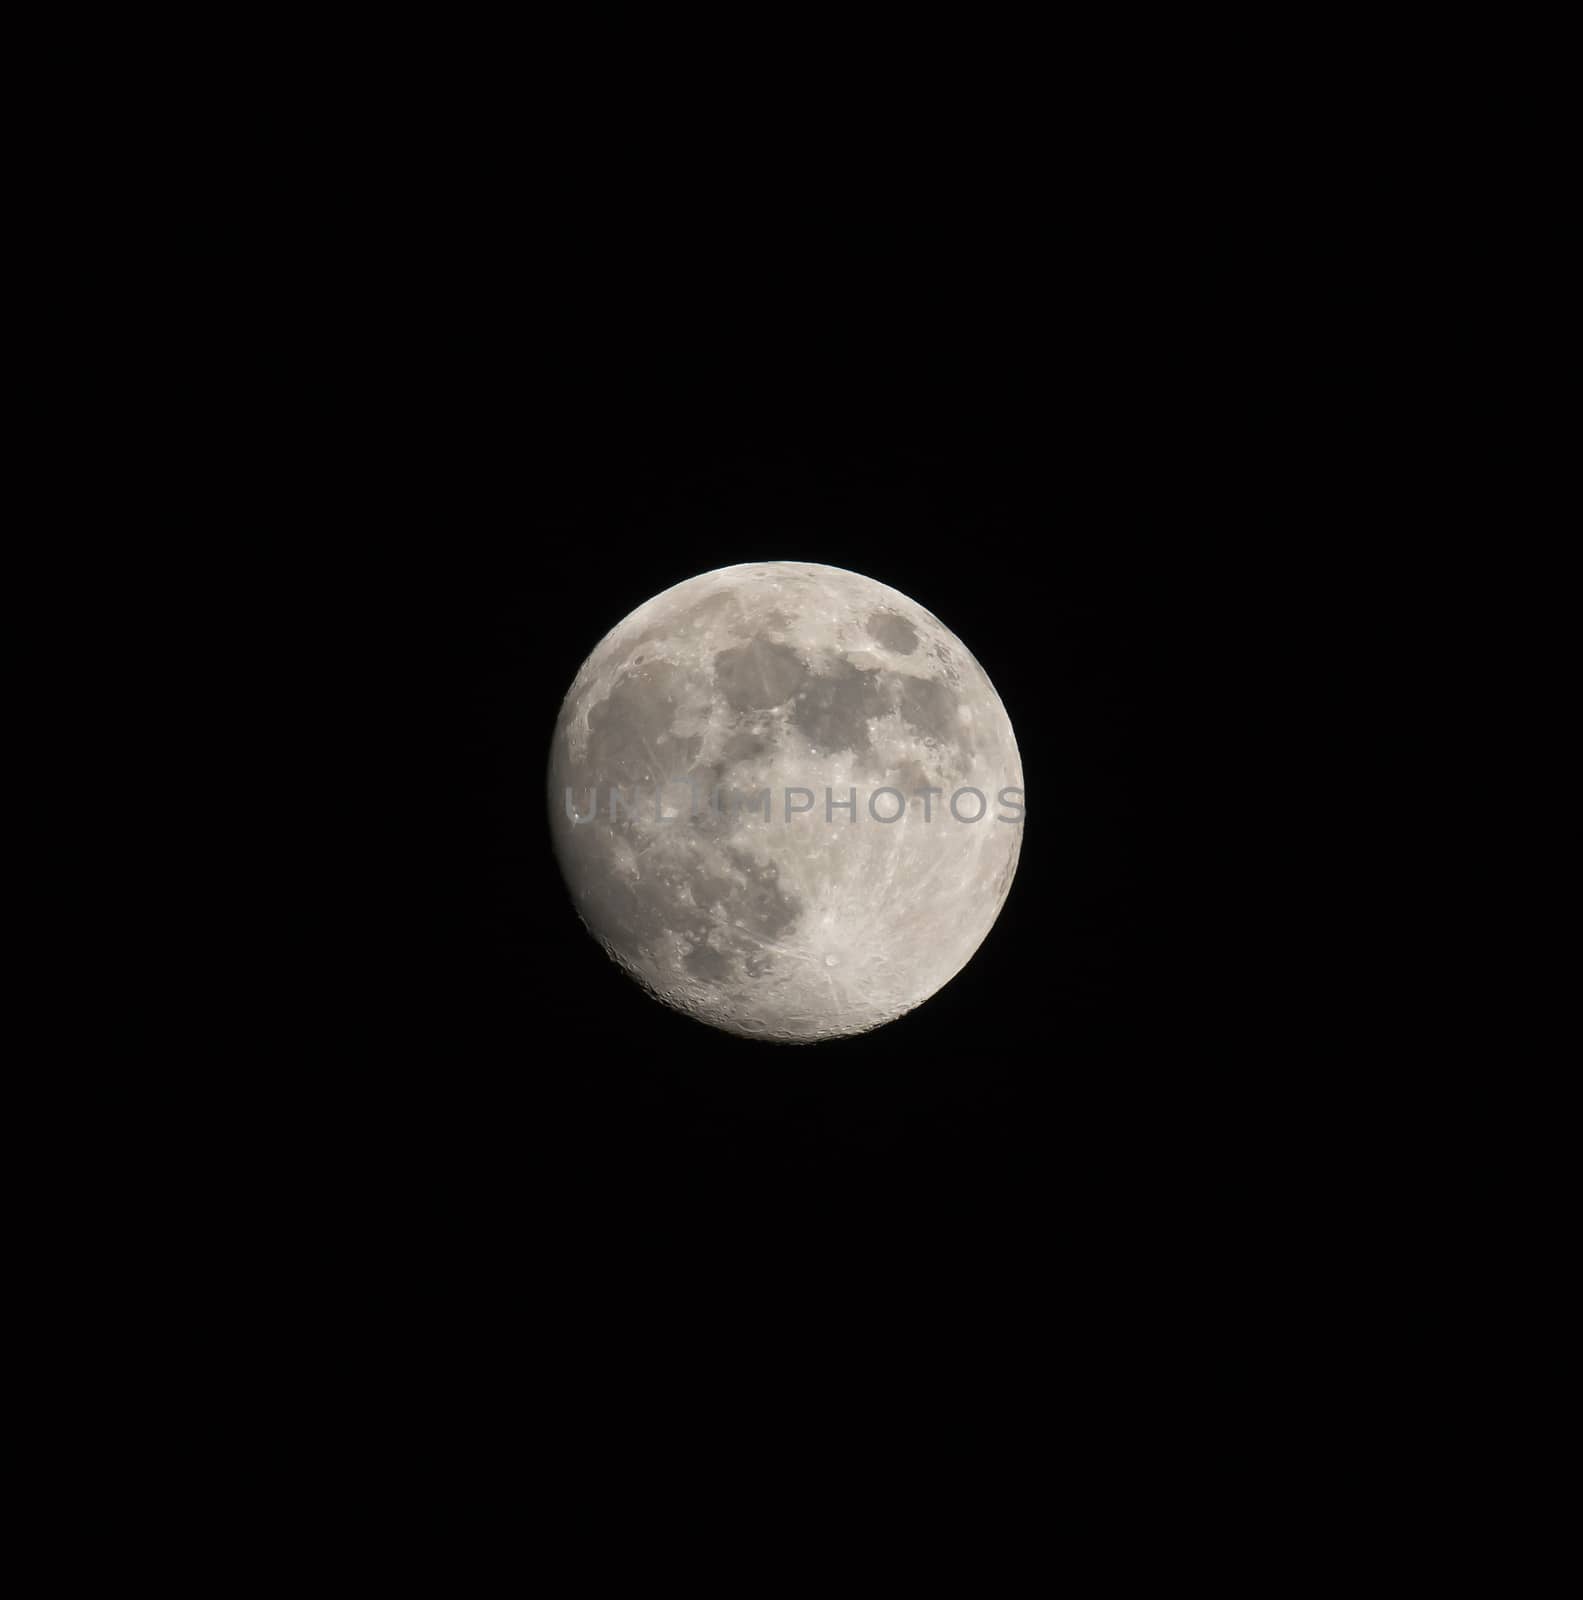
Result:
[{"x": 894, "y": 632}]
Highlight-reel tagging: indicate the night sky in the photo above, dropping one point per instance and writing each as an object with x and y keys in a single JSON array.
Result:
[{"x": 1072, "y": 456}]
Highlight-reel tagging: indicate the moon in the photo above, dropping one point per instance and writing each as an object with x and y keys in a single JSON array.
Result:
[{"x": 786, "y": 800}]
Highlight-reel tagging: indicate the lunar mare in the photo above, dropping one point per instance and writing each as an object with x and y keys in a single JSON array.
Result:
[{"x": 771, "y": 923}]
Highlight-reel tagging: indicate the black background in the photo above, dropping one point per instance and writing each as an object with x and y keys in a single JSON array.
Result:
[
  {"x": 1128, "y": 411},
  {"x": 1115, "y": 444},
  {"x": 1085, "y": 485}
]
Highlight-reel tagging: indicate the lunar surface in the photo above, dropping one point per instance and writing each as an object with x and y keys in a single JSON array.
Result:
[{"x": 786, "y": 799}]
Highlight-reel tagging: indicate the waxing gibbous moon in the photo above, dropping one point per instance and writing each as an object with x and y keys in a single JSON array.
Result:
[{"x": 716, "y": 800}]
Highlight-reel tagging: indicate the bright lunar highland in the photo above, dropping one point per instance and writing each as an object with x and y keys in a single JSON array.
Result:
[{"x": 714, "y": 800}]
